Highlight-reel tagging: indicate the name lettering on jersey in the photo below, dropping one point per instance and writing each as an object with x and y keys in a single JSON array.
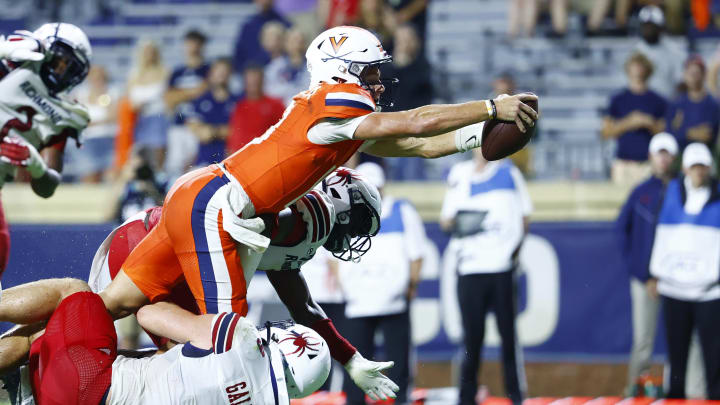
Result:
[
  {"x": 36, "y": 97},
  {"x": 295, "y": 262},
  {"x": 235, "y": 395},
  {"x": 336, "y": 44}
]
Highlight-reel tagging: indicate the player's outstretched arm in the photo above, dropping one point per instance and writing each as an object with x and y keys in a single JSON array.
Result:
[
  {"x": 428, "y": 148},
  {"x": 34, "y": 302},
  {"x": 171, "y": 321},
  {"x": 437, "y": 119}
]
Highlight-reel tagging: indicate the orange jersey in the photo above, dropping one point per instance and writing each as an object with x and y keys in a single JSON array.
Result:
[{"x": 283, "y": 164}]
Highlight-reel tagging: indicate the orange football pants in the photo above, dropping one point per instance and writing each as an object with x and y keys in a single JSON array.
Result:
[{"x": 189, "y": 243}]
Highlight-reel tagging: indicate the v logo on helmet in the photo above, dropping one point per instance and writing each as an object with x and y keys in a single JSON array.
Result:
[{"x": 336, "y": 44}]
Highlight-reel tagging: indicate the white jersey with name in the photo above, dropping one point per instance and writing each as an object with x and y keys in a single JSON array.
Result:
[
  {"x": 28, "y": 111},
  {"x": 239, "y": 370}
]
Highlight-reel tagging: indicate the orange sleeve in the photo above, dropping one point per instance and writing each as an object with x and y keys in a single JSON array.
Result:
[{"x": 342, "y": 101}]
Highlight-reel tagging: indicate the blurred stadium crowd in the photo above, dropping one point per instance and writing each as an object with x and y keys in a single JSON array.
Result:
[{"x": 179, "y": 83}]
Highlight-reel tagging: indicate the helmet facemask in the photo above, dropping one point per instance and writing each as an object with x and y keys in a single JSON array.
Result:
[
  {"x": 63, "y": 67},
  {"x": 361, "y": 70},
  {"x": 350, "y": 237}
]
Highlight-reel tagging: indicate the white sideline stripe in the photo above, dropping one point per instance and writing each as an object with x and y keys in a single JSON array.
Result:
[{"x": 350, "y": 96}]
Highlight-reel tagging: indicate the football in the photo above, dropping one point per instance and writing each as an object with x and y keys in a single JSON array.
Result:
[{"x": 501, "y": 139}]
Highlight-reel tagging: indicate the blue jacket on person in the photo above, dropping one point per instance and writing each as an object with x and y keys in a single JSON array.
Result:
[{"x": 636, "y": 226}]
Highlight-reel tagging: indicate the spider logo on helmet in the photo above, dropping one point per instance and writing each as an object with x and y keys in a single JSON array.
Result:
[{"x": 358, "y": 206}]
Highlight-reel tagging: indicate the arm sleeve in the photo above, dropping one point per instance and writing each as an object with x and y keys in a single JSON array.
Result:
[
  {"x": 414, "y": 234},
  {"x": 522, "y": 192},
  {"x": 330, "y": 131}
]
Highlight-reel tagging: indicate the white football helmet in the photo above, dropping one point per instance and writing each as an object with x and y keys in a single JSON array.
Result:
[
  {"x": 67, "y": 55},
  {"x": 341, "y": 54},
  {"x": 305, "y": 356},
  {"x": 358, "y": 207}
]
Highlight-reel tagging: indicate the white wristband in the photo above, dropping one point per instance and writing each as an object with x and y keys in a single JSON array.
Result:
[{"x": 469, "y": 137}]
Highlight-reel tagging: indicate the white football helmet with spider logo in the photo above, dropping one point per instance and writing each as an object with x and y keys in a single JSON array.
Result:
[
  {"x": 305, "y": 356},
  {"x": 358, "y": 207}
]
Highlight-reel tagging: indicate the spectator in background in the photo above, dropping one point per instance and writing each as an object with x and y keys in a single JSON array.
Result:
[
  {"x": 140, "y": 184},
  {"x": 636, "y": 232},
  {"x": 322, "y": 278},
  {"x": 633, "y": 116},
  {"x": 187, "y": 83},
  {"x": 413, "y": 12},
  {"x": 91, "y": 162},
  {"x": 338, "y": 12},
  {"x": 272, "y": 40},
  {"x": 287, "y": 75},
  {"x": 524, "y": 14},
  {"x": 666, "y": 56},
  {"x": 248, "y": 50},
  {"x": 694, "y": 116},
  {"x": 208, "y": 120},
  {"x": 254, "y": 113},
  {"x": 376, "y": 16},
  {"x": 713, "y": 73},
  {"x": 146, "y": 87},
  {"x": 414, "y": 89},
  {"x": 380, "y": 288},
  {"x": 686, "y": 261},
  {"x": 302, "y": 14},
  {"x": 487, "y": 209}
]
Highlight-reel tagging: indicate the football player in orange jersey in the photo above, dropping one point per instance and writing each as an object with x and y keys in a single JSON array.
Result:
[{"x": 210, "y": 231}]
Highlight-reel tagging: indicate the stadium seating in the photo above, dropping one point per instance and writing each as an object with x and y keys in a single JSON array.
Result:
[{"x": 574, "y": 75}]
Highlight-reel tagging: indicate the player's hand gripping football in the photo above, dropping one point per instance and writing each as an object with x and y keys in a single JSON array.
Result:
[
  {"x": 20, "y": 48},
  {"x": 18, "y": 152},
  {"x": 367, "y": 375},
  {"x": 513, "y": 108}
]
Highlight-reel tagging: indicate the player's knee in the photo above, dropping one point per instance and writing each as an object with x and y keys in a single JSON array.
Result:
[
  {"x": 71, "y": 286},
  {"x": 121, "y": 298}
]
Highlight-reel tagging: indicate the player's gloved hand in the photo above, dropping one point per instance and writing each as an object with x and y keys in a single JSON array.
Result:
[
  {"x": 512, "y": 108},
  {"x": 20, "y": 48},
  {"x": 18, "y": 152},
  {"x": 367, "y": 375}
]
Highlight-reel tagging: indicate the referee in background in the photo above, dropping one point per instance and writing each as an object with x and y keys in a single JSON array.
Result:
[
  {"x": 379, "y": 289},
  {"x": 486, "y": 209},
  {"x": 636, "y": 232},
  {"x": 686, "y": 261}
]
